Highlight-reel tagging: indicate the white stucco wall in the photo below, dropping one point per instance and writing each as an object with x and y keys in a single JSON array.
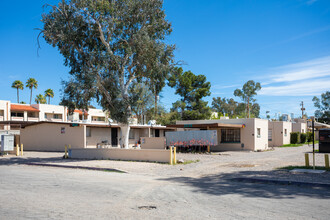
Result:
[
  {"x": 278, "y": 133},
  {"x": 51, "y": 109},
  {"x": 49, "y": 137}
]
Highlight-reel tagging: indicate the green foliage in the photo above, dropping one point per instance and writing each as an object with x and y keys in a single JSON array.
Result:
[
  {"x": 295, "y": 138},
  {"x": 247, "y": 93},
  {"x": 323, "y": 107},
  {"x": 141, "y": 100},
  {"x": 19, "y": 86},
  {"x": 40, "y": 99},
  {"x": 303, "y": 138},
  {"x": 309, "y": 136},
  {"x": 108, "y": 45},
  {"x": 50, "y": 94},
  {"x": 31, "y": 83},
  {"x": 192, "y": 88}
]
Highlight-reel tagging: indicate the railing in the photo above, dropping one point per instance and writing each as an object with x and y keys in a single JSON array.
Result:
[
  {"x": 98, "y": 122},
  {"x": 54, "y": 119},
  {"x": 33, "y": 119},
  {"x": 17, "y": 118}
]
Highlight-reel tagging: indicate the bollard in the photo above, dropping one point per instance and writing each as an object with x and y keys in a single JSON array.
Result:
[
  {"x": 17, "y": 150},
  {"x": 171, "y": 158},
  {"x": 306, "y": 160},
  {"x": 326, "y": 160},
  {"x": 174, "y": 155},
  {"x": 21, "y": 149},
  {"x": 208, "y": 149},
  {"x": 66, "y": 152}
]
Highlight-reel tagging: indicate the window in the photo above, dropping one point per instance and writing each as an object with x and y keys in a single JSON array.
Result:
[
  {"x": 258, "y": 132},
  {"x": 17, "y": 114},
  {"x": 303, "y": 131},
  {"x": 230, "y": 135},
  {"x": 132, "y": 134},
  {"x": 285, "y": 132},
  {"x": 270, "y": 135},
  {"x": 88, "y": 132}
]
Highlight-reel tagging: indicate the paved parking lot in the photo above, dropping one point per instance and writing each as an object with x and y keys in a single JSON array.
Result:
[{"x": 158, "y": 191}]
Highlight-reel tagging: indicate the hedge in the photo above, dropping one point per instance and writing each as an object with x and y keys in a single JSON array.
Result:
[
  {"x": 303, "y": 138},
  {"x": 309, "y": 136},
  {"x": 295, "y": 138}
]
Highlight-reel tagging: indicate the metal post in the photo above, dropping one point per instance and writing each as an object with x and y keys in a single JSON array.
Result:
[
  {"x": 326, "y": 160},
  {"x": 313, "y": 145},
  {"x": 174, "y": 155},
  {"x": 171, "y": 157},
  {"x": 17, "y": 150},
  {"x": 306, "y": 160}
]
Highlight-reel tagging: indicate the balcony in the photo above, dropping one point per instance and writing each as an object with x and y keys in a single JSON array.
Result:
[
  {"x": 54, "y": 119},
  {"x": 33, "y": 119},
  {"x": 17, "y": 118}
]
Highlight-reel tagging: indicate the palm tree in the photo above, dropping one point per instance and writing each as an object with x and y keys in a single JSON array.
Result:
[
  {"x": 40, "y": 99},
  {"x": 17, "y": 85},
  {"x": 31, "y": 83},
  {"x": 50, "y": 94}
]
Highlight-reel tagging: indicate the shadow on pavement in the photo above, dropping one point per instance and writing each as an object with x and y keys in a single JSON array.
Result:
[
  {"x": 5, "y": 161},
  {"x": 224, "y": 184}
]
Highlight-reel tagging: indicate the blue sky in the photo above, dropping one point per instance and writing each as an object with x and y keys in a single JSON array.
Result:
[{"x": 284, "y": 45}]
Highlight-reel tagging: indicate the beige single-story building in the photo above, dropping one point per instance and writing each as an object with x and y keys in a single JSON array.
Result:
[
  {"x": 233, "y": 134},
  {"x": 299, "y": 127},
  {"x": 279, "y": 133},
  {"x": 53, "y": 136}
]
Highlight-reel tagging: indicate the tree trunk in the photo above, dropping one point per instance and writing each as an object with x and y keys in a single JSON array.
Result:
[
  {"x": 31, "y": 97},
  {"x": 48, "y": 100},
  {"x": 17, "y": 96},
  {"x": 155, "y": 106},
  {"x": 125, "y": 128},
  {"x": 248, "y": 107}
]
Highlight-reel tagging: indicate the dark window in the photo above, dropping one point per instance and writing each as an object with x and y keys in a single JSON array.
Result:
[
  {"x": 156, "y": 133},
  {"x": 230, "y": 135},
  {"x": 17, "y": 114}
]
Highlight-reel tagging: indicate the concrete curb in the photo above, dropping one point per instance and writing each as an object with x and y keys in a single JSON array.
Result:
[
  {"x": 281, "y": 182},
  {"x": 75, "y": 167}
]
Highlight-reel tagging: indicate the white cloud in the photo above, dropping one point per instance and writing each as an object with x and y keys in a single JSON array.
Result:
[
  {"x": 307, "y": 78},
  {"x": 300, "y": 71},
  {"x": 303, "y": 88},
  {"x": 225, "y": 87}
]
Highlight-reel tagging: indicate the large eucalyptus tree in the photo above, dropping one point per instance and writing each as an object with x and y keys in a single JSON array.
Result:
[{"x": 109, "y": 44}]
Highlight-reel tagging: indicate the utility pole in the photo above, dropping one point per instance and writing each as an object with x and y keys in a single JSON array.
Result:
[{"x": 302, "y": 109}]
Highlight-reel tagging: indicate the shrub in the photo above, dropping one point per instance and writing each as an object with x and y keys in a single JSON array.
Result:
[
  {"x": 309, "y": 136},
  {"x": 295, "y": 138},
  {"x": 303, "y": 138}
]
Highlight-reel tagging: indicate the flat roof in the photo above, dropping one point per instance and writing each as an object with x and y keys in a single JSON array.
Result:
[
  {"x": 211, "y": 125},
  {"x": 28, "y": 108},
  {"x": 30, "y": 123}
]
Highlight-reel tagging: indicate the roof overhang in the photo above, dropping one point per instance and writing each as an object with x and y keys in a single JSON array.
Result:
[
  {"x": 211, "y": 125},
  {"x": 23, "y": 108}
]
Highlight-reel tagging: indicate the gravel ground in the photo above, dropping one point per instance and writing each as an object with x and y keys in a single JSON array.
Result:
[
  {"x": 159, "y": 191},
  {"x": 227, "y": 164}
]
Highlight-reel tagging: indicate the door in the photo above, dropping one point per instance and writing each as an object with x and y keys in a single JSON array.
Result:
[
  {"x": 156, "y": 133},
  {"x": 114, "y": 137}
]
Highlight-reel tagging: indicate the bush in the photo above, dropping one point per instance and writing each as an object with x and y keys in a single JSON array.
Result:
[
  {"x": 294, "y": 138},
  {"x": 303, "y": 138},
  {"x": 309, "y": 136}
]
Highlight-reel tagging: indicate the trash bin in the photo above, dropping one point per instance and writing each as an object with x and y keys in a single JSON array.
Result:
[{"x": 324, "y": 140}]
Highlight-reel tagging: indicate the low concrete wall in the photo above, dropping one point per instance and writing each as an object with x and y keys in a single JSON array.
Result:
[
  {"x": 153, "y": 143},
  {"x": 122, "y": 154}
]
